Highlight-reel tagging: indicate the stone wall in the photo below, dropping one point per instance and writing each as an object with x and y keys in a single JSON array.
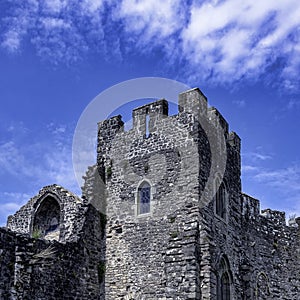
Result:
[
  {"x": 153, "y": 254},
  {"x": 271, "y": 251},
  {"x": 40, "y": 269}
]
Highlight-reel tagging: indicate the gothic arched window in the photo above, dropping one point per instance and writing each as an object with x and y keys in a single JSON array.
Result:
[
  {"x": 47, "y": 217},
  {"x": 144, "y": 197},
  {"x": 220, "y": 199},
  {"x": 225, "y": 287},
  {"x": 224, "y": 280},
  {"x": 262, "y": 287}
]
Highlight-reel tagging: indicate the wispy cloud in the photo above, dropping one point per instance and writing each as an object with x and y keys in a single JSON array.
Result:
[
  {"x": 287, "y": 179},
  {"x": 220, "y": 41},
  {"x": 47, "y": 160},
  {"x": 255, "y": 156},
  {"x": 248, "y": 168},
  {"x": 283, "y": 183},
  {"x": 35, "y": 163},
  {"x": 276, "y": 187},
  {"x": 293, "y": 104},
  {"x": 239, "y": 102}
]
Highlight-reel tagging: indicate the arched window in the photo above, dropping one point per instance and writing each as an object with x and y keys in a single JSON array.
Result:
[
  {"x": 225, "y": 287},
  {"x": 47, "y": 217},
  {"x": 143, "y": 198},
  {"x": 224, "y": 280},
  {"x": 220, "y": 199},
  {"x": 262, "y": 287}
]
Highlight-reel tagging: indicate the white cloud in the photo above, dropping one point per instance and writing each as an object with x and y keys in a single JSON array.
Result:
[
  {"x": 46, "y": 161},
  {"x": 287, "y": 179},
  {"x": 293, "y": 104},
  {"x": 151, "y": 17},
  {"x": 248, "y": 168},
  {"x": 247, "y": 36},
  {"x": 56, "y": 129},
  {"x": 12, "y": 40},
  {"x": 55, "y": 6},
  {"x": 52, "y": 23},
  {"x": 12, "y": 161},
  {"x": 222, "y": 41},
  {"x": 293, "y": 206},
  {"x": 34, "y": 164},
  {"x": 92, "y": 6},
  {"x": 59, "y": 170}
]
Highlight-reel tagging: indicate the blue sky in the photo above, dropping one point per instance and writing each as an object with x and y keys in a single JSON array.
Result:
[{"x": 57, "y": 55}]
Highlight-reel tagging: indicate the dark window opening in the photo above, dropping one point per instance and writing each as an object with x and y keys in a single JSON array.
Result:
[
  {"x": 47, "y": 217},
  {"x": 225, "y": 287},
  {"x": 221, "y": 199},
  {"x": 224, "y": 281},
  {"x": 144, "y": 194}
]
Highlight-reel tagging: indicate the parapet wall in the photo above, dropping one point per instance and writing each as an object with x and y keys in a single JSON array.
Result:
[
  {"x": 271, "y": 259},
  {"x": 275, "y": 252}
]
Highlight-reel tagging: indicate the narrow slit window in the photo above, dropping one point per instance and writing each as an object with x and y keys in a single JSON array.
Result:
[
  {"x": 144, "y": 194},
  {"x": 221, "y": 200},
  {"x": 147, "y": 125}
]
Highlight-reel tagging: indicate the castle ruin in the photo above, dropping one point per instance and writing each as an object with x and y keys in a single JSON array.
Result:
[{"x": 162, "y": 216}]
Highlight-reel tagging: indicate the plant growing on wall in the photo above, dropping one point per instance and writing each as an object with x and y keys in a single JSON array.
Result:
[{"x": 36, "y": 234}]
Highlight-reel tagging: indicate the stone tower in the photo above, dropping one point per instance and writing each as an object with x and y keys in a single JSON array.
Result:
[
  {"x": 155, "y": 174},
  {"x": 179, "y": 226}
]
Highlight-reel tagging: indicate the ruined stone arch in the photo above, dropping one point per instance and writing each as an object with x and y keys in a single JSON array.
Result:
[
  {"x": 46, "y": 217},
  {"x": 224, "y": 279},
  {"x": 143, "y": 197},
  {"x": 262, "y": 290}
]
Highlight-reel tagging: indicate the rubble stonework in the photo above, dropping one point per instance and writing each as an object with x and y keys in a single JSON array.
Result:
[{"x": 146, "y": 227}]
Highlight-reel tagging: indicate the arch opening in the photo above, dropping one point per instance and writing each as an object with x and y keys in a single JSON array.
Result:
[
  {"x": 224, "y": 280},
  {"x": 46, "y": 220}
]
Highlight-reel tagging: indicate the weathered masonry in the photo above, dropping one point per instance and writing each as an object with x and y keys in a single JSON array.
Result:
[{"x": 161, "y": 216}]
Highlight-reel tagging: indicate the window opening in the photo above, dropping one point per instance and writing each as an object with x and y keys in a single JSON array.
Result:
[
  {"x": 144, "y": 194},
  {"x": 147, "y": 125}
]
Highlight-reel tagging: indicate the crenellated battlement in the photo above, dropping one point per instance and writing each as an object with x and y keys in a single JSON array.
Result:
[
  {"x": 216, "y": 118},
  {"x": 250, "y": 206},
  {"x": 234, "y": 140},
  {"x": 193, "y": 101},
  {"x": 251, "y": 211},
  {"x": 146, "y": 117},
  {"x": 275, "y": 216}
]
